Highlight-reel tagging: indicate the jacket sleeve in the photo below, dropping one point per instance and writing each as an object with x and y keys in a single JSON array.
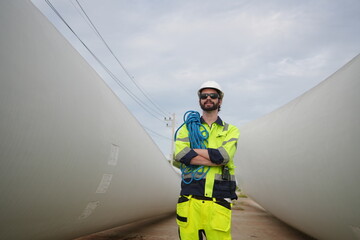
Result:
[
  {"x": 183, "y": 152},
  {"x": 227, "y": 149}
]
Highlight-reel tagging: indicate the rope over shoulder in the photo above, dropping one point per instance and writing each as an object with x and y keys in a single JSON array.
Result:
[{"x": 198, "y": 136}]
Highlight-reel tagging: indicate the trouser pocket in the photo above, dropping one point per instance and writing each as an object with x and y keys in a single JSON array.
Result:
[
  {"x": 182, "y": 211},
  {"x": 221, "y": 216}
]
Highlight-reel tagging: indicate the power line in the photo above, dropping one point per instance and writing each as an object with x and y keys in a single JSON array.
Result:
[
  {"x": 157, "y": 134},
  {"x": 131, "y": 94},
  {"x": 118, "y": 61},
  {"x": 81, "y": 14}
]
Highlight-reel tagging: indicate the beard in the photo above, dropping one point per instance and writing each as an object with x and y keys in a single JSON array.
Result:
[{"x": 209, "y": 107}]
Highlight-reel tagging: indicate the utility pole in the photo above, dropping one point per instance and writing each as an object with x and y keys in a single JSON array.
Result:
[{"x": 172, "y": 121}]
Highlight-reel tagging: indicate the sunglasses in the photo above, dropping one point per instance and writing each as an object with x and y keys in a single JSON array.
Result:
[{"x": 211, "y": 95}]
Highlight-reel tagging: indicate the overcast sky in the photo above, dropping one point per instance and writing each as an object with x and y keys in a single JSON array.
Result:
[{"x": 263, "y": 53}]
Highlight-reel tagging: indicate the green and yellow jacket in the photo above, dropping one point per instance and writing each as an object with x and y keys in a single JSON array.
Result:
[{"x": 221, "y": 145}]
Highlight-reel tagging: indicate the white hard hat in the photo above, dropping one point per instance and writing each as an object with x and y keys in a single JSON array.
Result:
[{"x": 213, "y": 85}]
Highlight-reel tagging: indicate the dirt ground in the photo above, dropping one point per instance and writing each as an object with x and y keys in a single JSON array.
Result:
[{"x": 249, "y": 222}]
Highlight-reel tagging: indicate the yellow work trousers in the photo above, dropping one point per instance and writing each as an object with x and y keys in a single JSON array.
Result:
[{"x": 209, "y": 217}]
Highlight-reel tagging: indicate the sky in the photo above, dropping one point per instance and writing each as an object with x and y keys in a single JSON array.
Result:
[{"x": 263, "y": 53}]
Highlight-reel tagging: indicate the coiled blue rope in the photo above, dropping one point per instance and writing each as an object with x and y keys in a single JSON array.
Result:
[{"x": 198, "y": 136}]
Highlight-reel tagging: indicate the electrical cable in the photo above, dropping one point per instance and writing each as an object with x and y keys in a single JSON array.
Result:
[
  {"x": 118, "y": 61},
  {"x": 131, "y": 94},
  {"x": 157, "y": 134}
]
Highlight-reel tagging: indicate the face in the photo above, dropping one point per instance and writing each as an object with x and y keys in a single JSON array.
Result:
[{"x": 209, "y": 104}]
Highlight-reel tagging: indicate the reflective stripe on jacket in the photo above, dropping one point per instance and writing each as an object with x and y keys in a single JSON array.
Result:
[{"x": 221, "y": 145}]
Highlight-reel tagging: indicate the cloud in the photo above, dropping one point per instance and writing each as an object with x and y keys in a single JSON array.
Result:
[{"x": 263, "y": 53}]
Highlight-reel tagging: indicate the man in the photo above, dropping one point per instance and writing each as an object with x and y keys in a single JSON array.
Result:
[{"x": 204, "y": 206}]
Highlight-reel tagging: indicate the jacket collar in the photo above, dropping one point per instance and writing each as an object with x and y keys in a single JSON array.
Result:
[{"x": 218, "y": 121}]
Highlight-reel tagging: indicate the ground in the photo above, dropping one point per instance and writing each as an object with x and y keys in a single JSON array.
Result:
[{"x": 249, "y": 222}]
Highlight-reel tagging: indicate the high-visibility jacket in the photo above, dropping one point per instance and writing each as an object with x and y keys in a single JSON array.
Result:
[{"x": 221, "y": 145}]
